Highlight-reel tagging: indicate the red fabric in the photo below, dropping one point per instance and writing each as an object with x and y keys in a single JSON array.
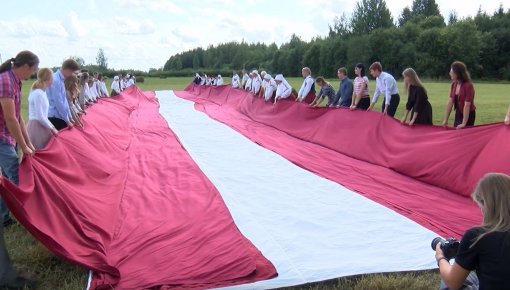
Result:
[
  {"x": 123, "y": 198},
  {"x": 425, "y": 173}
]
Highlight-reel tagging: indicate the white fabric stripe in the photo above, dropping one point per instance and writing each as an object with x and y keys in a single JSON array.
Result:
[{"x": 310, "y": 228}]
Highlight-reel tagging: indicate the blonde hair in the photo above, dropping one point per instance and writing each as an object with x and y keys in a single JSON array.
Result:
[
  {"x": 413, "y": 77},
  {"x": 43, "y": 75},
  {"x": 492, "y": 194}
]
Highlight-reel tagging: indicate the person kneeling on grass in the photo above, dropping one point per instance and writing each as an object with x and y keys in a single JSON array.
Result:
[
  {"x": 485, "y": 248},
  {"x": 326, "y": 91}
]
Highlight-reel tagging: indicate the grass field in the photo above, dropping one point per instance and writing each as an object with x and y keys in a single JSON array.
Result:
[{"x": 32, "y": 259}]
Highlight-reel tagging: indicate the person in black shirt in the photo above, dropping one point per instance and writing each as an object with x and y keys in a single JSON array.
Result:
[
  {"x": 417, "y": 100},
  {"x": 486, "y": 248}
]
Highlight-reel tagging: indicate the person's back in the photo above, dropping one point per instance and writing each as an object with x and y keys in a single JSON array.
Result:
[
  {"x": 489, "y": 257},
  {"x": 485, "y": 248}
]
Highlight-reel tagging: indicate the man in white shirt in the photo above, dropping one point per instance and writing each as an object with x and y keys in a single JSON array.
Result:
[
  {"x": 307, "y": 86},
  {"x": 386, "y": 86}
]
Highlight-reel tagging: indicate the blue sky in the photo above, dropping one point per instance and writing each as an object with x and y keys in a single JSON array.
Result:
[{"x": 143, "y": 34}]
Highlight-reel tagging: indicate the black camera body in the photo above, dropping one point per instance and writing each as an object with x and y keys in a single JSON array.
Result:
[{"x": 450, "y": 246}]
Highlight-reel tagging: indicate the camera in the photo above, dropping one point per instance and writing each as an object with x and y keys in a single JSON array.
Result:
[{"x": 450, "y": 246}]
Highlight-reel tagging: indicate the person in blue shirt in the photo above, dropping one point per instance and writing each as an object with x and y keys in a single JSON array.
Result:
[
  {"x": 59, "y": 113},
  {"x": 343, "y": 97}
]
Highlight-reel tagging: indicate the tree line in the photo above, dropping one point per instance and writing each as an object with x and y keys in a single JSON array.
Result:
[{"x": 420, "y": 38}]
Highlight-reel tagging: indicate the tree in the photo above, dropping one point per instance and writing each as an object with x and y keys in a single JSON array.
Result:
[
  {"x": 79, "y": 60},
  {"x": 370, "y": 15},
  {"x": 421, "y": 10},
  {"x": 425, "y": 8},
  {"x": 452, "y": 17},
  {"x": 341, "y": 26},
  {"x": 101, "y": 60},
  {"x": 406, "y": 16}
]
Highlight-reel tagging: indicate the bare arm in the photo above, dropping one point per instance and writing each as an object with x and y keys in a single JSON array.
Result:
[
  {"x": 452, "y": 275},
  {"x": 507, "y": 118},
  {"x": 447, "y": 112},
  {"x": 25, "y": 133},
  {"x": 13, "y": 125}
]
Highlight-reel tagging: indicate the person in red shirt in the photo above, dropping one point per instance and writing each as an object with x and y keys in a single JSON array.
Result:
[
  {"x": 13, "y": 134},
  {"x": 462, "y": 97}
]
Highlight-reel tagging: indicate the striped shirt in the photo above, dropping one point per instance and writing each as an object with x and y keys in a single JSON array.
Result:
[
  {"x": 10, "y": 88},
  {"x": 359, "y": 84}
]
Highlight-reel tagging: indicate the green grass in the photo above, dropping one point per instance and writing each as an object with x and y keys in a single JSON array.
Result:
[{"x": 492, "y": 100}]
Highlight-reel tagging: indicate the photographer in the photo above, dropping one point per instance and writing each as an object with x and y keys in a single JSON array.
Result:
[{"x": 486, "y": 248}]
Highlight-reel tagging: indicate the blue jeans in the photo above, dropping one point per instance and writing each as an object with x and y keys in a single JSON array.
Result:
[{"x": 9, "y": 164}]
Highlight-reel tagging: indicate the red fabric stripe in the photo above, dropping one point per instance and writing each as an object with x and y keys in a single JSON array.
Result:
[
  {"x": 425, "y": 173},
  {"x": 123, "y": 198}
]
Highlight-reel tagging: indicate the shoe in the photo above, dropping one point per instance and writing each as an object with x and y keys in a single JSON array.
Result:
[
  {"x": 19, "y": 283},
  {"x": 9, "y": 222}
]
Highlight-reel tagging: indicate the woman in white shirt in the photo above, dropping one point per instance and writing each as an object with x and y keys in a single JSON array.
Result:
[
  {"x": 270, "y": 87},
  {"x": 219, "y": 81},
  {"x": 361, "y": 96},
  {"x": 283, "y": 88},
  {"x": 116, "y": 86},
  {"x": 235, "y": 81},
  {"x": 256, "y": 82},
  {"x": 39, "y": 128},
  {"x": 247, "y": 86}
]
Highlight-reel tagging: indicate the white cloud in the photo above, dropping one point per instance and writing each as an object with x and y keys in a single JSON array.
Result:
[
  {"x": 32, "y": 27},
  {"x": 157, "y": 5},
  {"x": 73, "y": 26},
  {"x": 133, "y": 27}
]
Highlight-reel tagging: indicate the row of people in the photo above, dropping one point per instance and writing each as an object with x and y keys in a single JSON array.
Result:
[
  {"x": 56, "y": 101},
  {"x": 355, "y": 94},
  {"x": 207, "y": 80}
]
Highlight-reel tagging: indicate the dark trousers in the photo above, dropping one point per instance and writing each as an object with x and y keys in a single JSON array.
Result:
[
  {"x": 392, "y": 108},
  {"x": 58, "y": 123},
  {"x": 7, "y": 274},
  {"x": 459, "y": 117},
  {"x": 364, "y": 103}
]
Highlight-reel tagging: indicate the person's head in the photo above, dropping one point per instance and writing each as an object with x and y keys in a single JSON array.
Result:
[
  {"x": 24, "y": 64},
  {"x": 278, "y": 78},
  {"x": 342, "y": 73},
  {"x": 69, "y": 66},
  {"x": 375, "y": 69},
  {"x": 100, "y": 77},
  {"x": 71, "y": 84},
  {"x": 411, "y": 78},
  {"x": 306, "y": 72},
  {"x": 84, "y": 78},
  {"x": 267, "y": 77},
  {"x": 492, "y": 194},
  {"x": 459, "y": 72},
  {"x": 263, "y": 73},
  {"x": 320, "y": 81},
  {"x": 359, "y": 70},
  {"x": 44, "y": 79}
]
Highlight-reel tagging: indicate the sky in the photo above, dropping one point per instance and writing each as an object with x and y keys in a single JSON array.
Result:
[{"x": 143, "y": 34}]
